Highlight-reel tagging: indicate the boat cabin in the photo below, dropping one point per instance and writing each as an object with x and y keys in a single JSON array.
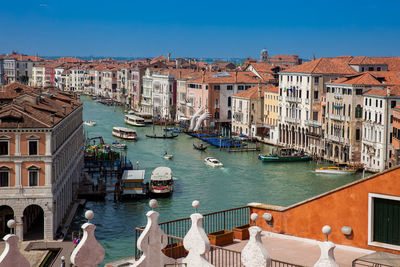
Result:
[
  {"x": 133, "y": 183},
  {"x": 148, "y": 117},
  {"x": 134, "y": 120},
  {"x": 161, "y": 181},
  {"x": 124, "y": 133}
]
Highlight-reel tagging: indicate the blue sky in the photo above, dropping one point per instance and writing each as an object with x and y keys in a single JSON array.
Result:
[{"x": 205, "y": 28}]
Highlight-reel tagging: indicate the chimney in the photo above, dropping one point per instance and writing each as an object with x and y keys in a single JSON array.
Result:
[
  {"x": 388, "y": 91},
  {"x": 64, "y": 110},
  {"x": 203, "y": 77},
  {"x": 236, "y": 76},
  {"x": 313, "y": 57},
  {"x": 52, "y": 118},
  {"x": 180, "y": 74},
  {"x": 169, "y": 57}
]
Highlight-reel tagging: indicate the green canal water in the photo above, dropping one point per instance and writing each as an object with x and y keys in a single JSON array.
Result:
[{"x": 243, "y": 179}]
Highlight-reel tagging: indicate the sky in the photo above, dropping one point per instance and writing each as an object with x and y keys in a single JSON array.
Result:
[{"x": 213, "y": 29}]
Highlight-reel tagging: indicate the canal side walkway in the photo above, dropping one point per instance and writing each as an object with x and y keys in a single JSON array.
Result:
[{"x": 300, "y": 251}]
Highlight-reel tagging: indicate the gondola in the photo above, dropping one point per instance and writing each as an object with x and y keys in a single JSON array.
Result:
[
  {"x": 162, "y": 136},
  {"x": 200, "y": 147}
]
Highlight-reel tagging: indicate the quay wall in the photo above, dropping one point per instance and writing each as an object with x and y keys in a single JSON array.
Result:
[{"x": 349, "y": 205}]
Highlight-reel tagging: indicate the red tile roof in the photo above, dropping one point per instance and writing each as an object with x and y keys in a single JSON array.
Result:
[
  {"x": 253, "y": 91},
  {"x": 158, "y": 59},
  {"x": 245, "y": 77},
  {"x": 392, "y": 62},
  {"x": 393, "y": 90},
  {"x": 361, "y": 79},
  {"x": 324, "y": 65}
]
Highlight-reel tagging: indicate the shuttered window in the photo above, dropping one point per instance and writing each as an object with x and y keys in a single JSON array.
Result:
[{"x": 387, "y": 221}]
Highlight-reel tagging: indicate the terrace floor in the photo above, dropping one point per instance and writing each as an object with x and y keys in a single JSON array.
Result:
[{"x": 300, "y": 251}]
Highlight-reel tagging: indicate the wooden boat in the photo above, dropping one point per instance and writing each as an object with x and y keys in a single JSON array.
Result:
[
  {"x": 200, "y": 147},
  {"x": 118, "y": 145},
  {"x": 134, "y": 120},
  {"x": 285, "y": 155},
  {"x": 335, "y": 170},
  {"x": 161, "y": 182},
  {"x": 164, "y": 136},
  {"x": 213, "y": 162},
  {"x": 124, "y": 133},
  {"x": 90, "y": 123},
  {"x": 132, "y": 184}
]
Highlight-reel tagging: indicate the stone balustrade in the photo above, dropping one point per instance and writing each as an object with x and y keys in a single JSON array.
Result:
[{"x": 89, "y": 253}]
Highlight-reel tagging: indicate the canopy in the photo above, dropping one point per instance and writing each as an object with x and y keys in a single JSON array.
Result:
[
  {"x": 133, "y": 175},
  {"x": 161, "y": 174}
]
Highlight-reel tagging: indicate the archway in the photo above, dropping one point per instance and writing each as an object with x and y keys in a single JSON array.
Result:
[
  {"x": 6, "y": 214},
  {"x": 336, "y": 152},
  {"x": 33, "y": 222}
]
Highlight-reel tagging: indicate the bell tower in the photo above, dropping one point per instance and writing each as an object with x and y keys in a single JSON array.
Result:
[{"x": 264, "y": 56}]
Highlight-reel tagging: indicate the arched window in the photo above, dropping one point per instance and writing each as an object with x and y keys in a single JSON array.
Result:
[
  {"x": 229, "y": 114},
  {"x": 229, "y": 101},
  {"x": 4, "y": 176},
  {"x": 358, "y": 114}
]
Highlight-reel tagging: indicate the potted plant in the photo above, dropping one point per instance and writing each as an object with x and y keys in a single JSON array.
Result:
[
  {"x": 221, "y": 238},
  {"x": 175, "y": 250},
  {"x": 241, "y": 232}
]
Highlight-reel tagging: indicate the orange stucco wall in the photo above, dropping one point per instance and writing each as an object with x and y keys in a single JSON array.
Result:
[
  {"x": 25, "y": 173},
  {"x": 346, "y": 207},
  {"x": 25, "y": 142}
]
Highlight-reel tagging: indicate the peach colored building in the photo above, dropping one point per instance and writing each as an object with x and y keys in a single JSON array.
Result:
[
  {"x": 40, "y": 132},
  {"x": 396, "y": 137},
  {"x": 370, "y": 207}
]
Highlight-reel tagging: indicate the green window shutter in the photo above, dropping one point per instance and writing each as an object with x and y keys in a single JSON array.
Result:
[{"x": 386, "y": 221}]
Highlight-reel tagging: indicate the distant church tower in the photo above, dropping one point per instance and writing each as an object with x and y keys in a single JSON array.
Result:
[{"x": 264, "y": 56}]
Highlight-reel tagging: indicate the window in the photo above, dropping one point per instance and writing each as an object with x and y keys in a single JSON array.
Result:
[
  {"x": 393, "y": 104},
  {"x": 358, "y": 114},
  {"x": 391, "y": 120},
  {"x": 350, "y": 110},
  {"x": 308, "y": 94},
  {"x": 315, "y": 94},
  {"x": 371, "y": 69},
  {"x": 358, "y": 91},
  {"x": 216, "y": 87},
  {"x": 328, "y": 89},
  {"x": 370, "y": 102},
  {"x": 4, "y": 176},
  {"x": 380, "y": 103},
  {"x": 229, "y": 114},
  {"x": 229, "y": 87},
  {"x": 316, "y": 80},
  {"x": 378, "y": 68},
  {"x": 358, "y": 134},
  {"x": 362, "y": 69},
  {"x": 376, "y": 103},
  {"x": 216, "y": 102},
  {"x": 33, "y": 147},
  {"x": 33, "y": 176},
  {"x": 240, "y": 87},
  {"x": 3, "y": 147},
  {"x": 366, "y": 101},
  {"x": 229, "y": 101}
]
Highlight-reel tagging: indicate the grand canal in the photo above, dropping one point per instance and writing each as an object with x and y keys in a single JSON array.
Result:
[{"x": 243, "y": 179}]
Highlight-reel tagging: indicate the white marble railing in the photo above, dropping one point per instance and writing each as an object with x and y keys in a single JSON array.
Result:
[
  {"x": 313, "y": 123},
  {"x": 336, "y": 117},
  {"x": 334, "y": 138},
  {"x": 293, "y": 99},
  {"x": 291, "y": 120}
]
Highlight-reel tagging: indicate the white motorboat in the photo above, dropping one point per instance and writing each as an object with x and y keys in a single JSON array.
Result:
[
  {"x": 118, "y": 145},
  {"x": 124, "y": 133},
  {"x": 90, "y": 123},
  {"x": 161, "y": 182},
  {"x": 134, "y": 120},
  {"x": 167, "y": 156},
  {"x": 213, "y": 162},
  {"x": 336, "y": 170}
]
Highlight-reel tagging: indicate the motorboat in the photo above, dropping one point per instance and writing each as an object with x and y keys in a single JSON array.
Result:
[
  {"x": 134, "y": 120},
  {"x": 132, "y": 184},
  {"x": 167, "y": 156},
  {"x": 200, "y": 147},
  {"x": 148, "y": 117},
  {"x": 118, "y": 145},
  {"x": 335, "y": 170},
  {"x": 161, "y": 182},
  {"x": 124, "y": 133},
  {"x": 213, "y": 162},
  {"x": 90, "y": 123},
  {"x": 285, "y": 155}
]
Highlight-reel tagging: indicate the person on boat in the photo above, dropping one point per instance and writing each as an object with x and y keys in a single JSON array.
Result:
[
  {"x": 201, "y": 145},
  {"x": 165, "y": 153}
]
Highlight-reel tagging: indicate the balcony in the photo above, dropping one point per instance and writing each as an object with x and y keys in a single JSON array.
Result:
[
  {"x": 338, "y": 96},
  {"x": 334, "y": 138},
  {"x": 315, "y": 101},
  {"x": 291, "y": 120},
  {"x": 293, "y": 99},
  {"x": 336, "y": 117},
  {"x": 313, "y": 123}
]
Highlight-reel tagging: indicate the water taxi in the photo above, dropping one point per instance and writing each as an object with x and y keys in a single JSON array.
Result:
[
  {"x": 167, "y": 156},
  {"x": 118, "y": 145},
  {"x": 148, "y": 117},
  {"x": 90, "y": 123},
  {"x": 161, "y": 182},
  {"x": 213, "y": 162},
  {"x": 336, "y": 170},
  {"x": 134, "y": 120},
  {"x": 285, "y": 155},
  {"x": 132, "y": 184},
  {"x": 124, "y": 133}
]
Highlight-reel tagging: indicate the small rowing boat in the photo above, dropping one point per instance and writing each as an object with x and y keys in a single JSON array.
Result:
[
  {"x": 164, "y": 136},
  {"x": 200, "y": 147},
  {"x": 90, "y": 123}
]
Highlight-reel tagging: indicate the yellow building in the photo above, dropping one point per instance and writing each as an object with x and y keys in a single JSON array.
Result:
[{"x": 271, "y": 106}]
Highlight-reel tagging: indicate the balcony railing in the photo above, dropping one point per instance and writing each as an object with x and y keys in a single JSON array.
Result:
[
  {"x": 313, "y": 123},
  {"x": 336, "y": 117},
  {"x": 291, "y": 120},
  {"x": 293, "y": 99},
  {"x": 315, "y": 101},
  {"x": 334, "y": 138}
]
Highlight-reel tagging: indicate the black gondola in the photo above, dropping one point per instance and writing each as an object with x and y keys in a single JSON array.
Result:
[
  {"x": 200, "y": 147},
  {"x": 161, "y": 136}
]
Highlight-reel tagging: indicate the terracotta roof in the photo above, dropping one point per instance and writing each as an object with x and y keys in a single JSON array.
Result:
[
  {"x": 293, "y": 58},
  {"x": 36, "y": 109},
  {"x": 22, "y": 57},
  {"x": 361, "y": 79},
  {"x": 392, "y": 62},
  {"x": 387, "y": 77},
  {"x": 247, "y": 77},
  {"x": 253, "y": 91},
  {"x": 158, "y": 59},
  {"x": 324, "y": 65},
  {"x": 70, "y": 60},
  {"x": 394, "y": 91}
]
